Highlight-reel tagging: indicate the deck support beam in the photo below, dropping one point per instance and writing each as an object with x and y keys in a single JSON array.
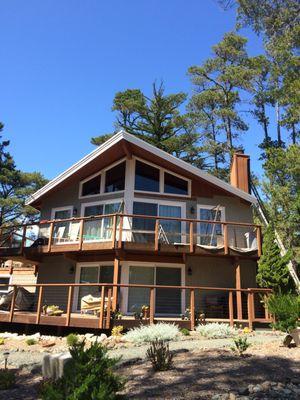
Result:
[
  {"x": 238, "y": 286},
  {"x": 115, "y": 282}
]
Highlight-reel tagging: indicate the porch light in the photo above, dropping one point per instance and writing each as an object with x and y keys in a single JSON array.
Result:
[
  {"x": 5, "y": 355},
  {"x": 74, "y": 212},
  {"x": 192, "y": 210},
  {"x": 190, "y": 271},
  {"x": 71, "y": 270}
]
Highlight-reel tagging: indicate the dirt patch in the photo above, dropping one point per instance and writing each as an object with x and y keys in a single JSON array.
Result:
[{"x": 202, "y": 374}]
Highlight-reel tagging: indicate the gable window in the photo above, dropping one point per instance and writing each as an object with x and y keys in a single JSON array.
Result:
[
  {"x": 115, "y": 178},
  {"x": 91, "y": 187},
  {"x": 175, "y": 185},
  {"x": 146, "y": 177}
]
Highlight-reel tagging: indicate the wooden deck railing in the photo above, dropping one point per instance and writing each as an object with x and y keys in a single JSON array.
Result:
[
  {"x": 63, "y": 293},
  {"x": 118, "y": 228}
]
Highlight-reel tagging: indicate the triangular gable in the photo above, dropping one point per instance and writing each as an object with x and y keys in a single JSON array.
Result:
[{"x": 147, "y": 147}]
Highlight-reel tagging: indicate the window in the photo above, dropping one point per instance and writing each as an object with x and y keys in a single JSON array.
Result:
[
  {"x": 115, "y": 178},
  {"x": 4, "y": 281},
  {"x": 175, "y": 185},
  {"x": 91, "y": 187},
  {"x": 146, "y": 177},
  {"x": 211, "y": 234},
  {"x": 62, "y": 229}
]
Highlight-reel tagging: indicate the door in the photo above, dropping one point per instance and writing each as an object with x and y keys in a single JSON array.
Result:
[{"x": 168, "y": 301}]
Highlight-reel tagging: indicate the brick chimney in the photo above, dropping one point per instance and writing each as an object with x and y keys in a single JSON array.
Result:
[{"x": 240, "y": 172}]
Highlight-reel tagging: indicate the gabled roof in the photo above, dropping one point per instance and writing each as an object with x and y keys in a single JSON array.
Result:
[{"x": 121, "y": 136}]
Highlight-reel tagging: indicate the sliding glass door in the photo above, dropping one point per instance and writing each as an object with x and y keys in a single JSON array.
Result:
[
  {"x": 167, "y": 301},
  {"x": 144, "y": 228}
]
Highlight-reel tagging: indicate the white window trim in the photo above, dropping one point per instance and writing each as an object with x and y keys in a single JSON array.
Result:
[
  {"x": 2, "y": 291},
  {"x": 162, "y": 180},
  {"x": 99, "y": 203},
  {"x": 102, "y": 175},
  {"x": 69, "y": 208},
  {"x": 125, "y": 280},
  {"x": 79, "y": 266},
  {"x": 209, "y": 207}
]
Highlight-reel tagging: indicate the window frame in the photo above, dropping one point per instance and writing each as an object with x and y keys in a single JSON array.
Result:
[
  {"x": 102, "y": 175},
  {"x": 162, "y": 180},
  {"x": 63, "y": 208},
  {"x": 209, "y": 207}
]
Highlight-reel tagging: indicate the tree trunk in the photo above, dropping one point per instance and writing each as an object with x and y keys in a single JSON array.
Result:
[
  {"x": 293, "y": 134},
  {"x": 278, "y": 124}
]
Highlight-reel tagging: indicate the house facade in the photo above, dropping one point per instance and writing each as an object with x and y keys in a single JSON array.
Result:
[{"x": 150, "y": 225}]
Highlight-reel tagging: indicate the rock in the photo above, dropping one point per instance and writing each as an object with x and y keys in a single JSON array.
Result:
[
  {"x": 53, "y": 365},
  {"x": 250, "y": 388},
  {"x": 48, "y": 343},
  {"x": 102, "y": 337},
  {"x": 257, "y": 389},
  {"x": 243, "y": 391},
  {"x": 286, "y": 391},
  {"x": 232, "y": 396},
  {"x": 266, "y": 385}
]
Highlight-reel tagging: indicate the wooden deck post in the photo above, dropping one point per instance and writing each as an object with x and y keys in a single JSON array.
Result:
[
  {"x": 250, "y": 309},
  {"x": 238, "y": 286},
  {"x": 115, "y": 282},
  {"x": 69, "y": 305},
  {"x": 108, "y": 309},
  {"x": 258, "y": 239},
  {"x": 151, "y": 305},
  {"x": 192, "y": 309},
  {"x": 50, "y": 236},
  {"x": 102, "y": 304},
  {"x": 156, "y": 233},
  {"x": 120, "y": 232},
  {"x": 114, "y": 231},
  {"x": 225, "y": 233},
  {"x": 23, "y": 237},
  {"x": 12, "y": 304},
  {"x": 230, "y": 303},
  {"x": 191, "y": 237},
  {"x": 39, "y": 305},
  {"x": 81, "y": 227}
]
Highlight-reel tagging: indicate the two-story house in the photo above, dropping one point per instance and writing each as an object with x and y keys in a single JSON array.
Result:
[{"x": 156, "y": 230}]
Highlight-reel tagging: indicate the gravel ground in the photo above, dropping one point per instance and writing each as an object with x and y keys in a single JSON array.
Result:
[{"x": 202, "y": 367}]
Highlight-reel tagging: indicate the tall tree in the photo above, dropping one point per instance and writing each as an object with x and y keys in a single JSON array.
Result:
[
  {"x": 282, "y": 190},
  {"x": 157, "y": 120},
  {"x": 15, "y": 188},
  {"x": 218, "y": 84}
]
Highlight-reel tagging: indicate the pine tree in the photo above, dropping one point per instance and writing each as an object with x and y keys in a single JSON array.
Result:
[
  {"x": 15, "y": 187},
  {"x": 272, "y": 268}
]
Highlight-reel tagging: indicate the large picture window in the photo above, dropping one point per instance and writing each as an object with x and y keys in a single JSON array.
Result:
[
  {"x": 115, "y": 178},
  {"x": 146, "y": 177}
]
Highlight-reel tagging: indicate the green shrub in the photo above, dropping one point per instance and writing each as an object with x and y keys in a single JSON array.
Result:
[
  {"x": 89, "y": 375},
  {"x": 31, "y": 341},
  {"x": 216, "y": 331},
  {"x": 286, "y": 310},
  {"x": 241, "y": 345},
  {"x": 185, "y": 332},
  {"x": 160, "y": 356},
  {"x": 72, "y": 339},
  {"x": 150, "y": 333},
  {"x": 7, "y": 379}
]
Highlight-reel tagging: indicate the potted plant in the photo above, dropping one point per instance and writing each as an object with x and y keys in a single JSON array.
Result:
[{"x": 53, "y": 310}]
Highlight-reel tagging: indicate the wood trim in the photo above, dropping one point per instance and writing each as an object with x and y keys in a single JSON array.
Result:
[
  {"x": 156, "y": 233},
  {"x": 81, "y": 227},
  {"x": 230, "y": 304},
  {"x": 152, "y": 306},
  {"x": 238, "y": 288},
  {"x": 101, "y": 314},
  {"x": 39, "y": 305},
  {"x": 191, "y": 237},
  {"x": 12, "y": 305},
  {"x": 120, "y": 232},
  {"x": 115, "y": 281},
  {"x": 192, "y": 309},
  {"x": 69, "y": 305},
  {"x": 108, "y": 309},
  {"x": 50, "y": 236}
]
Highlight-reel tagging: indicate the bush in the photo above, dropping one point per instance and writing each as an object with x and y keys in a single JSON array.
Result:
[
  {"x": 185, "y": 332},
  {"x": 72, "y": 339},
  {"x": 286, "y": 310},
  {"x": 31, "y": 341},
  {"x": 216, "y": 331},
  {"x": 160, "y": 356},
  {"x": 2, "y": 341},
  {"x": 117, "y": 330},
  {"x": 150, "y": 333},
  {"x": 89, "y": 375},
  {"x": 241, "y": 345},
  {"x": 7, "y": 379}
]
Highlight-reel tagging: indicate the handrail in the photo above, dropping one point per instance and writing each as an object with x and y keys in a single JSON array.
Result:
[
  {"x": 91, "y": 218},
  {"x": 108, "y": 301}
]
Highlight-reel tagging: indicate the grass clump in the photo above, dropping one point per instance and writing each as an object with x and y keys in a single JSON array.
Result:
[
  {"x": 89, "y": 375},
  {"x": 185, "y": 332},
  {"x": 31, "y": 341},
  {"x": 7, "y": 379},
  {"x": 216, "y": 331},
  {"x": 160, "y": 356},
  {"x": 2, "y": 341},
  {"x": 72, "y": 339},
  {"x": 147, "y": 334},
  {"x": 241, "y": 344}
]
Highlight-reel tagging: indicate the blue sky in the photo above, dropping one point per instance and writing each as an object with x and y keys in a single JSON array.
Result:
[{"x": 63, "y": 61}]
